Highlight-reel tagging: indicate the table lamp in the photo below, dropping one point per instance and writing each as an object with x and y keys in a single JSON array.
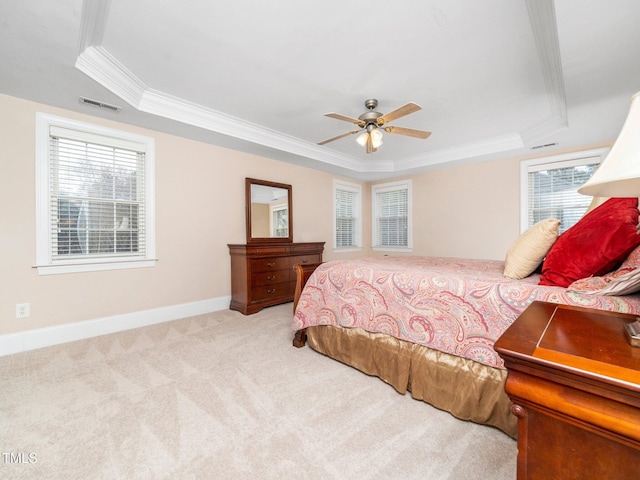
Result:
[{"x": 619, "y": 176}]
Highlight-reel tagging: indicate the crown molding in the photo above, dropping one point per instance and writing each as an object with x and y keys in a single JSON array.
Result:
[
  {"x": 97, "y": 63},
  {"x": 545, "y": 128},
  {"x": 101, "y": 66},
  {"x": 510, "y": 141},
  {"x": 93, "y": 23},
  {"x": 174, "y": 108},
  {"x": 542, "y": 16}
]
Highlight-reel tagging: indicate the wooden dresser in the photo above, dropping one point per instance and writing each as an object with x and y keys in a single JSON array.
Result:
[
  {"x": 262, "y": 274},
  {"x": 575, "y": 385}
]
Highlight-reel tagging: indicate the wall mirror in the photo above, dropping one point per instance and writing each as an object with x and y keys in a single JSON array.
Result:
[{"x": 268, "y": 206}]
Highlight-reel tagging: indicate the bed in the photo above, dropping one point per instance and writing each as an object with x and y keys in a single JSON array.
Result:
[{"x": 427, "y": 325}]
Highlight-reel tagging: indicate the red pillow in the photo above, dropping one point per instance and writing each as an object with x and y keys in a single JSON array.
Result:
[{"x": 595, "y": 245}]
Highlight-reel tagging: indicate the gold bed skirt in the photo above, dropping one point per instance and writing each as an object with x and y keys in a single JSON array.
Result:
[{"x": 466, "y": 389}]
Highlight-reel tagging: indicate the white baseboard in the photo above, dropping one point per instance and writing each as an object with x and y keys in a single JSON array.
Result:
[{"x": 70, "y": 332}]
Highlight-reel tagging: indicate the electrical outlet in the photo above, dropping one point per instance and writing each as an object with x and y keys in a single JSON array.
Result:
[{"x": 22, "y": 310}]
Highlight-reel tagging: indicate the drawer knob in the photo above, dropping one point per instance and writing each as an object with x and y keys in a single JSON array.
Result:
[
  {"x": 271, "y": 290},
  {"x": 271, "y": 278},
  {"x": 271, "y": 264},
  {"x": 305, "y": 261}
]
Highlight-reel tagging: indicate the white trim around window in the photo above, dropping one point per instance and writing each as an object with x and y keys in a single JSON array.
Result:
[
  {"x": 347, "y": 216},
  {"x": 392, "y": 212},
  {"x": 562, "y": 199},
  {"x": 72, "y": 153}
]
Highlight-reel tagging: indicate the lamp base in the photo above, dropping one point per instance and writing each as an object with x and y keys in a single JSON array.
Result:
[{"x": 632, "y": 332}]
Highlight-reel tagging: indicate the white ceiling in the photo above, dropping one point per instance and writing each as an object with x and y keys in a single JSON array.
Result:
[{"x": 494, "y": 77}]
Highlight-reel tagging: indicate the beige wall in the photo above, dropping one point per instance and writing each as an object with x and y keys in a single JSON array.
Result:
[
  {"x": 260, "y": 220},
  {"x": 471, "y": 211},
  {"x": 468, "y": 211},
  {"x": 199, "y": 210}
]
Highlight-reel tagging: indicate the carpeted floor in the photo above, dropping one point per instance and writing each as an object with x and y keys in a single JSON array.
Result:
[{"x": 224, "y": 396}]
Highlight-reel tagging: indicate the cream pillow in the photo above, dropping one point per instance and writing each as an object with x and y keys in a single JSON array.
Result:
[{"x": 528, "y": 251}]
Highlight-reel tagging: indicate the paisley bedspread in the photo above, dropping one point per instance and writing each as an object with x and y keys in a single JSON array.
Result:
[{"x": 458, "y": 306}]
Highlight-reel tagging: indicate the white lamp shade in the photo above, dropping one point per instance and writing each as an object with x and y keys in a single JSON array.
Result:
[
  {"x": 619, "y": 174},
  {"x": 362, "y": 139},
  {"x": 376, "y": 138}
]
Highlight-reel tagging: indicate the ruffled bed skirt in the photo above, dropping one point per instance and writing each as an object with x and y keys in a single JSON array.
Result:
[{"x": 466, "y": 389}]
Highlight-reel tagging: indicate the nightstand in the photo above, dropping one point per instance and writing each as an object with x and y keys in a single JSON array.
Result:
[{"x": 574, "y": 381}]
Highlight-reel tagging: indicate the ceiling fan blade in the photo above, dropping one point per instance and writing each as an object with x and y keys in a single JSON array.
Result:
[
  {"x": 337, "y": 116},
  {"x": 338, "y": 137},
  {"x": 407, "y": 131},
  {"x": 397, "y": 113}
]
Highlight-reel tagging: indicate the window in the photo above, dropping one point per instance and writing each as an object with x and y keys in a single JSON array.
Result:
[
  {"x": 279, "y": 220},
  {"x": 347, "y": 210},
  {"x": 95, "y": 197},
  {"x": 549, "y": 187},
  {"x": 392, "y": 216}
]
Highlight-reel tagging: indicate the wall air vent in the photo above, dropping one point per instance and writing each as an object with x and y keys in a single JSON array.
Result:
[
  {"x": 544, "y": 146},
  {"x": 96, "y": 103}
]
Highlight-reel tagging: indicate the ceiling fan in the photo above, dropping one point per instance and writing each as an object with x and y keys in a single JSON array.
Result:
[{"x": 371, "y": 123}]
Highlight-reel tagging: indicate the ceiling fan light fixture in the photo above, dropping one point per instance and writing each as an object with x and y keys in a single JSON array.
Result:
[
  {"x": 362, "y": 139},
  {"x": 376, "y": 138}
]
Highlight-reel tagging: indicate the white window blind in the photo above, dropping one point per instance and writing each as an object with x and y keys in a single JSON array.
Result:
[
  {"x": 345, "y": 219},
  {"x": 392, "y": 215},
  {"x": 94, "y": 208},
  {"x": 347, "y": 215},
  {"x": 552, "y": 186},
  {"x": 96, "y": 198},
  {"x": 279, "y": 221}
]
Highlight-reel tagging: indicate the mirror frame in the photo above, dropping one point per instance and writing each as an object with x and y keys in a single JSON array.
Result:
[{"x": 250, "y": 238}]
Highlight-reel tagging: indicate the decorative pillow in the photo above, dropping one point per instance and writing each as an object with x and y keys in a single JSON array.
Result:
[
  {"x": 595, "y": 245},
  {"x": 633, "y": 260},
  {"x": 595, "y": 202},
  {"x": 530, "y": 248},
  {"x": 624, "y": 281},
  {"x": 621, "y": 282}
]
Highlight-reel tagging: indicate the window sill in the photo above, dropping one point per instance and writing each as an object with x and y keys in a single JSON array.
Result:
[
  {"x": 392, "y": 249},
  {"x": 93, "y": 267},
  {"x": 347, "y": 249}
]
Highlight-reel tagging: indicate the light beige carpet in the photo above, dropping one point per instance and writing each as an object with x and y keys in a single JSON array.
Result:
[{"x": 224, "y": 396}]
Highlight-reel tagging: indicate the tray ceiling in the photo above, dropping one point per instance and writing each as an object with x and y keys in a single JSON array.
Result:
[{"x": 494, "y": 78}]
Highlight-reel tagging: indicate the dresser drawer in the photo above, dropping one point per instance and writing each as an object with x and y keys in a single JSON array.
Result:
[
  {"x": 269, "y": 264},
  {"x": 270, "y": 278},
  {"x": 267, "y": 292},
  {"x": 304, "y": 259}
]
